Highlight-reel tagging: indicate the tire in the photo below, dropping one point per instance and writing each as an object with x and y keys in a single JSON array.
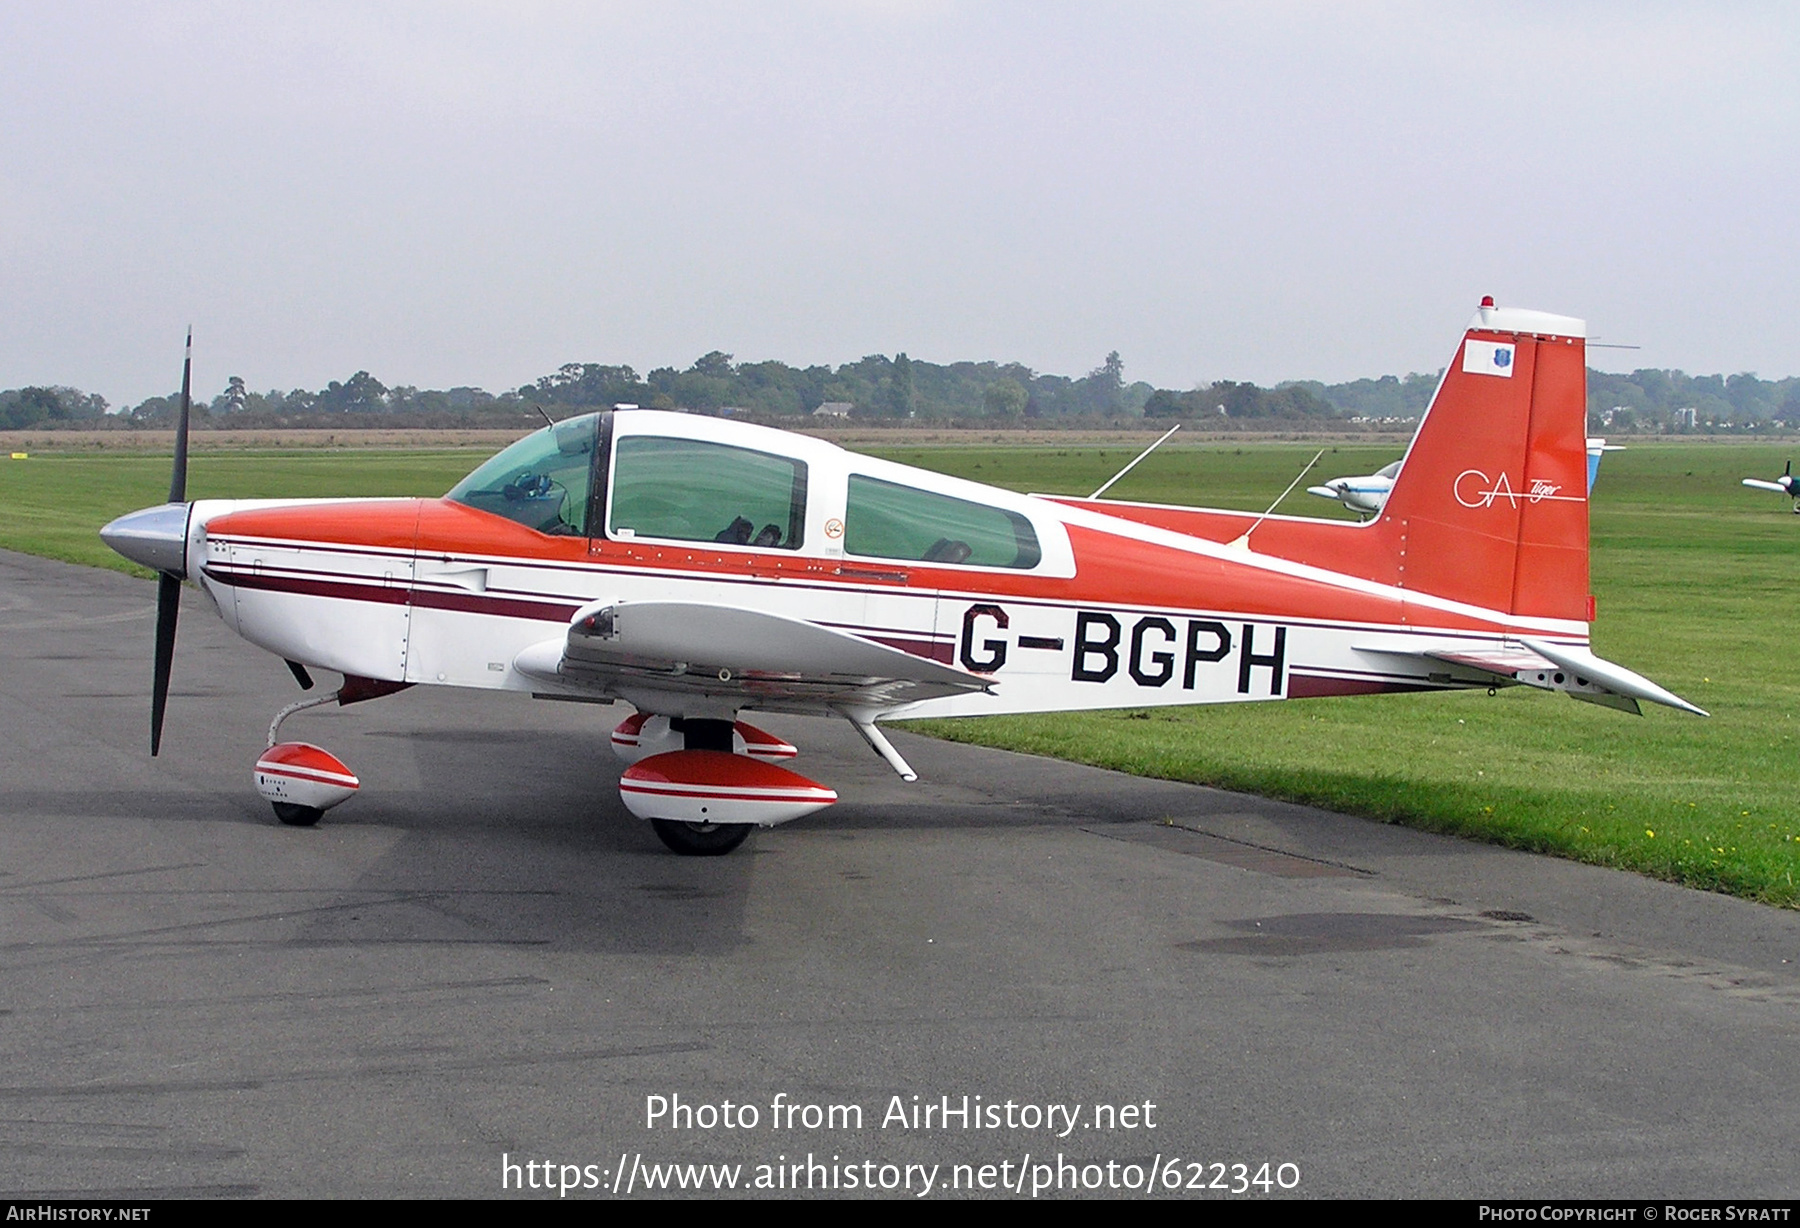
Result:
[
  {"x": 701, "y": 839},
  {"x": 297, "y": 816}
]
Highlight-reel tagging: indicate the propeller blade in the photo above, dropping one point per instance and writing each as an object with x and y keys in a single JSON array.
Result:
[
  {"x": 178, "y": 479},
  {"x": 168, "y": 609},
  {"x": 1759, "y": 484},
  {"x": 168, "y": 584}
]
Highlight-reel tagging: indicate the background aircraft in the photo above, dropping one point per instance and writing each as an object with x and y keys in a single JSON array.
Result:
[
  {"x": 698, "y": 568},
  {"x": 1364, "y": 495},
  {"x": 1367, "y": 495},
  {"x": 1783, "y": 485}
]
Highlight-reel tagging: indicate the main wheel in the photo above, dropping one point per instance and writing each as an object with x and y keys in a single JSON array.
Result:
[
  {"x": 297, "y": 816},
  {"x": 701, "y": 839}
]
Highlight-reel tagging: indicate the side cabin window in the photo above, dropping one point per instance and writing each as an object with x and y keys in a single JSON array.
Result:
[
  {"x": 543, "y": 481},
  {"x": 885, "y": 520},
  {"x": 694, "y": 491}
]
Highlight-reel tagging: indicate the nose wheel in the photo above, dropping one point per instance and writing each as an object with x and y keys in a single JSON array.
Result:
[
  {"x": 301, "y": 781},
  {"x": 293, "y": 815}
]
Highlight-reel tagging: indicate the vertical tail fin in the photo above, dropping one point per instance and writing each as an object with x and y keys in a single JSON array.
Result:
[{"x": 1490, "y": 504}]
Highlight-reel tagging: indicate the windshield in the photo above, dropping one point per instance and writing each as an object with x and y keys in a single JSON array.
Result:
[{"x": 543, "y": 481}]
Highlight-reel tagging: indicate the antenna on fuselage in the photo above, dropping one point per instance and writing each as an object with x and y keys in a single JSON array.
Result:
[
  {"x": 1140, "y": 456},
  {"x": 1243, "y": 541}
]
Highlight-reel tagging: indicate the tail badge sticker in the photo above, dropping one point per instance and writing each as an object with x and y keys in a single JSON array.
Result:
[{"x": 1488, "y": 358}]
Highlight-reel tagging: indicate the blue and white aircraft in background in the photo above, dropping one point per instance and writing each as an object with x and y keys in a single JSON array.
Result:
[{"x": 1367, "y": 495}]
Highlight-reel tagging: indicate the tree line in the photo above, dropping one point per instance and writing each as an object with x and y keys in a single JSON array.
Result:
[{"x": 877, "y": 388}]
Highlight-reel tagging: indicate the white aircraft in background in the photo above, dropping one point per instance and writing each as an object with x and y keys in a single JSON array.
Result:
[
  {"x": 1783, "y": 485},
  {"x": 1367, "y": 495}
]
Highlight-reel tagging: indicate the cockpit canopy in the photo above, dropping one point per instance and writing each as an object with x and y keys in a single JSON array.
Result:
[{"x": 660, "y": 477}]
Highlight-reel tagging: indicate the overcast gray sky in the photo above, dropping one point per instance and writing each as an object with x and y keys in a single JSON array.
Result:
[{"x": 476, "y": 193}]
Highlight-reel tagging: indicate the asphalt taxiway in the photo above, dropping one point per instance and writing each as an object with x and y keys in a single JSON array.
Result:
[{"x": 484, "y": 960}]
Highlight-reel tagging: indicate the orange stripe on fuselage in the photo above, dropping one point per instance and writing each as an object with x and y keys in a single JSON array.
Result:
[
  {"x": 1111, "y": 569},
  {"x": 380, "y": 524}
]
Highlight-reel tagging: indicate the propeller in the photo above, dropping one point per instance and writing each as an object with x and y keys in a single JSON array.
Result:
[
  {"x": 1783, "y": 485},
  {"x": 168, "y": 583}
]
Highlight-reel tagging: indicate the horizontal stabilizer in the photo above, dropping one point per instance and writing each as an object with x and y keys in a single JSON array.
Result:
[
  {"x": 1553, "y": 667},
  {"x": 1614, "y": 678}
]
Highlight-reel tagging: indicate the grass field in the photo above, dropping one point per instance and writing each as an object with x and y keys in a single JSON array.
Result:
[{"x": 1692, "y": 573}]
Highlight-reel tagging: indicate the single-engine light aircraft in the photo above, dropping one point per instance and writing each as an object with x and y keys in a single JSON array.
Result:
[
  {"x": 1783, "y": 485},
  {"x": 699, "y": 569}
]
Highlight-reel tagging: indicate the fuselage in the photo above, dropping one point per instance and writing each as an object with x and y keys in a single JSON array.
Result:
[{"x": 1060, "y": 604}]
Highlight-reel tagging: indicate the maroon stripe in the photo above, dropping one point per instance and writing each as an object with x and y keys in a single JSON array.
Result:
[
  {"x": 510, "y": 607},
  {"x": 942, "y": 653},
  {"x": 478, "y": 603},
  {"x": 381, "y": 594},
  {"x": 468, "y": 603},
  {"x": 1313, "y": 686}
]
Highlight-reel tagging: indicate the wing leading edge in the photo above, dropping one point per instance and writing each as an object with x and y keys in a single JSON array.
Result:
[{"x": 733, "y": 656}]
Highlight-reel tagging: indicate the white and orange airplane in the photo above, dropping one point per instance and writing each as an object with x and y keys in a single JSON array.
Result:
[{"x": 698, "y": 569}]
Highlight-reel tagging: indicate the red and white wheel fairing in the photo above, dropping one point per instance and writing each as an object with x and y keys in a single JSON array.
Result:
[
  {"x": 629, "y": 743},
  {"x": 301, "y": 774},
  {"x": 710, "y": 786},
  {"x": 760, "y": 743},
  {"x": 642, "y": 734}
]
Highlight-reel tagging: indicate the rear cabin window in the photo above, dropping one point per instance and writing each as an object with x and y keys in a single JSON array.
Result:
[
  {"x": 885, "y": 520},
  {"x": 694, "y": 491}
]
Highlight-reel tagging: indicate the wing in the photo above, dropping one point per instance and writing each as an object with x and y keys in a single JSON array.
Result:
[{"x": 742, "y": 657}]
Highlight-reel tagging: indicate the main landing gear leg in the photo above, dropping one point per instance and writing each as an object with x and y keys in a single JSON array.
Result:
[
  {"x": 701, "y": 839},
  {"x": 703, "y": 735}
]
